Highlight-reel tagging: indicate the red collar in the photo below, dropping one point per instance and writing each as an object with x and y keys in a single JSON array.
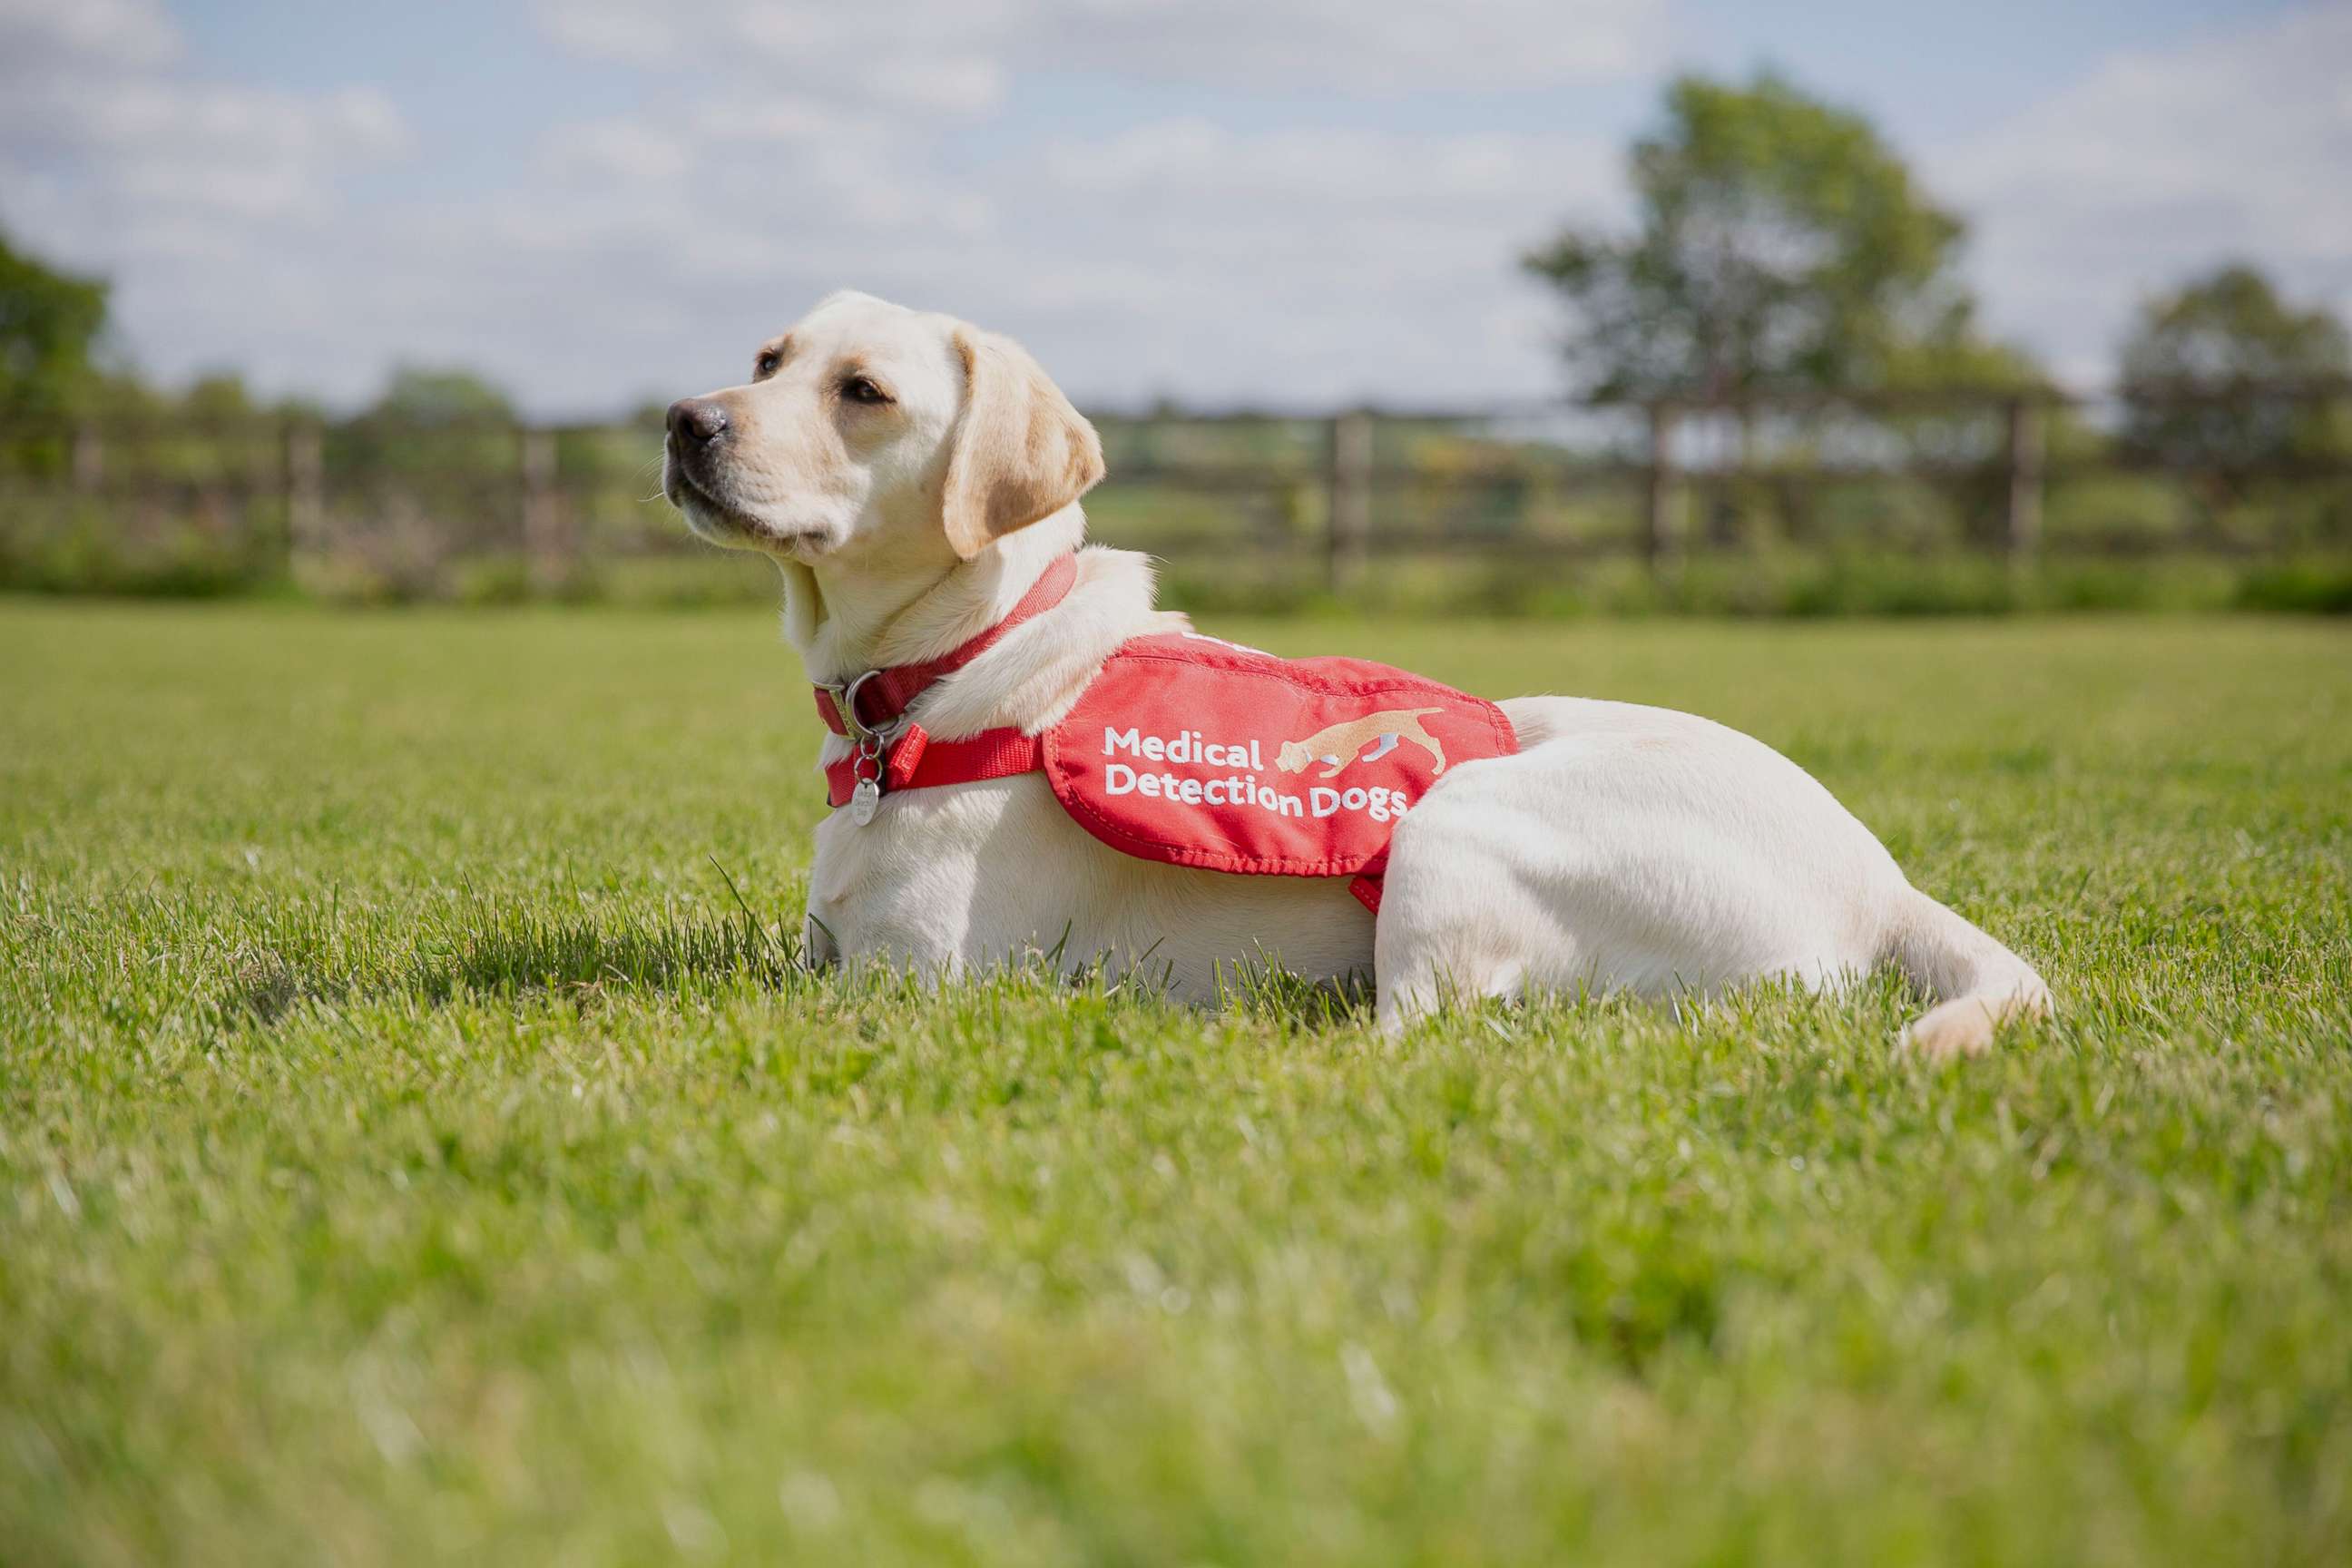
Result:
[
  {"x": 891, "y": 752},
  {"x": 873, "y": 703}
]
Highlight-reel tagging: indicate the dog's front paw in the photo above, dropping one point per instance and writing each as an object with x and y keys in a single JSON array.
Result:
[{"x": 1963, "y": 1027}]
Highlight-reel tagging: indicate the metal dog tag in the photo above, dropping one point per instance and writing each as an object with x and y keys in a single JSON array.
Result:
[{"x": 864, "y": 801}]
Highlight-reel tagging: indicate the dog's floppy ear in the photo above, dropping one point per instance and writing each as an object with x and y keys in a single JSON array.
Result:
[{"x": 1020, "y": 452}]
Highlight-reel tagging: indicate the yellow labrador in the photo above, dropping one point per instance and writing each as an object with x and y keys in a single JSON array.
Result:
[{"x": 914, "y": 476}]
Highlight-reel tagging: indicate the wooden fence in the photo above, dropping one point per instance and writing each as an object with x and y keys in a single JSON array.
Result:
[{"x": 1327, "y": 495}]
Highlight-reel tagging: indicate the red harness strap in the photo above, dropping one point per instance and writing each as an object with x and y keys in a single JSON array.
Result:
[
  {"x": 918, "y": 762},
  {"x": 876, "y": 701}
]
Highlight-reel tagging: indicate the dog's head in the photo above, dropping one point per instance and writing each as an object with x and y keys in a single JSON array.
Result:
[
  {"x": 871, "y": 428},
  {"x": 1293, "y": 757}
]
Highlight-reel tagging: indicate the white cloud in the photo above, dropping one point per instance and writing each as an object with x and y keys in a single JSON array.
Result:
[
  {"x": 1288, "y": 266},
  {"x": 1369, "y": 47},
  {"x": 1355, "y": 169},
  {"x": 1377, "y": 47},
  {"x": 943, "y": 84},
  {"x": 119, "y": 34},
  {"x": 2160, "y": 163},
  {"x": 624, "y": 33},
  {"x": 109, "y": 155},
  {"x": 806, "y": 50},
  {"x": 625, "y": 151}
]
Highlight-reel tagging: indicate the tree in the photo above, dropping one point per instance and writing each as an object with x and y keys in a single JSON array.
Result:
[
  {"x": 2231, "y": 329},
  {"x": 441, "y": 429},
  {"x": 1780, "y": 242},
  {"x": 442, "y": 397},
  {"x": 50, "y": 323},
  {"x": 219, "y": 397}
]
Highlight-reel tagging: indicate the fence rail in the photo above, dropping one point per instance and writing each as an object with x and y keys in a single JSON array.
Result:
[{"x": 1329, "y": 494}]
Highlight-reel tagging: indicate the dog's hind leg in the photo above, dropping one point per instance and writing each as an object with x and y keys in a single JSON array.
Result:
[
  {"x": 1424, "y": 981},
  {"x": 1457, "y": 923}
]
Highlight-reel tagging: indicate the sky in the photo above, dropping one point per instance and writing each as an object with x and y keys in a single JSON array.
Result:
[{"x": 1269, "y": 202}]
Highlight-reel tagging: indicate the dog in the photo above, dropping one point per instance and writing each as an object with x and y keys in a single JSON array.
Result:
[
  {"x": 1342, "y": 744},
  {"x": 915, "y": 480}
]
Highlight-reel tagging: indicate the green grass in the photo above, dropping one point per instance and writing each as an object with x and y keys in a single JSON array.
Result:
[{"x": 409, "y": 1148}]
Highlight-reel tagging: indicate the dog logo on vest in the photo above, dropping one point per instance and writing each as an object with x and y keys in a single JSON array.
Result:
[{"x": 1343, "y": 744}]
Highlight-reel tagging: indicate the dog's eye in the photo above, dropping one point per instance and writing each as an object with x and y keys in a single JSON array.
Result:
[
  {"x": 858, "y": 389},
  {"x": 765, "y": 365}
]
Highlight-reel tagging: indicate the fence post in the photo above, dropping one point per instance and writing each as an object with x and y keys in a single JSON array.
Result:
[
  {"x": 306, "y": 511},
  {"x": 1661, "y": 544},
  {"x": 1351, "y": 477},
  {"x": 542, "y": 516},
  {"x": 89, "y": 460},
  {"x": 2024, "y": 532}
]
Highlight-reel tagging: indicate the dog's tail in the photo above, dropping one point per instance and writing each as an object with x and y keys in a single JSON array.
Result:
[{"x": 1979, "y": 984}]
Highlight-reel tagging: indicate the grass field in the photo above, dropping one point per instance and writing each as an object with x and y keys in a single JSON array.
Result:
[{"x": 409, "y": 1148}]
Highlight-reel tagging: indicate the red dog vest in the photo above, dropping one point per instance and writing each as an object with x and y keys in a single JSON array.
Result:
[{"x": 1193, "y": 752}]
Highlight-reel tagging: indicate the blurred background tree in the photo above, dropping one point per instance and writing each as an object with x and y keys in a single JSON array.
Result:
[
  {"x": 1780, "y": 242},
  {"x": 441, "y": 427},
  {"x": 2214, "y": 333},
  {"x": 50, "y": 324},
  {"x": 442, "y": 397},
  {"x": 220, "y": 397}
]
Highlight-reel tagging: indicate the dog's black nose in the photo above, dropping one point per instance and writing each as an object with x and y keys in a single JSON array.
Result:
[{"x": 696, "y": 420}]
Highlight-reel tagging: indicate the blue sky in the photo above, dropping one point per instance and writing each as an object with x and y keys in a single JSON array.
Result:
[{"x": 1271, "y": 201}]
